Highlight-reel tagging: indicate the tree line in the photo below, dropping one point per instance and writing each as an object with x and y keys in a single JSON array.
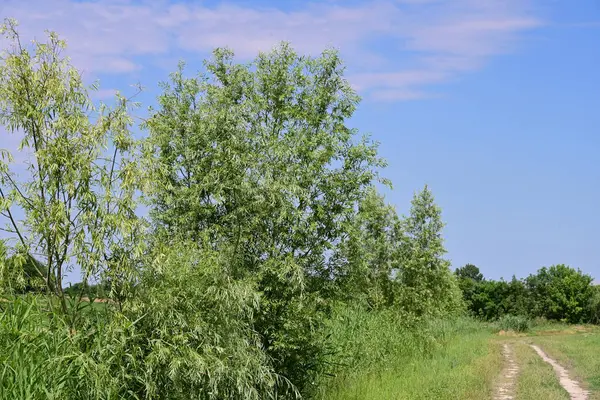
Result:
[{"x": 558, "y": 292}]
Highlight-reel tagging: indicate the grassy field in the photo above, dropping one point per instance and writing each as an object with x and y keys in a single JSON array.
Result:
[
  {"x": 464, "y": 367},
  {"x": 578, "y": 350},
  {"x": 469, "y": 366}
]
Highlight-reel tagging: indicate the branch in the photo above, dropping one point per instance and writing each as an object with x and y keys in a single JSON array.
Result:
[
  {"x": 16, "y": 187},
  {"x": 18, "y": 232}
]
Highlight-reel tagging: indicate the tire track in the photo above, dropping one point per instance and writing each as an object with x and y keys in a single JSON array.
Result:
[
  {"x": 571, "y": 386},
  {"x": 505, "y": 389}
]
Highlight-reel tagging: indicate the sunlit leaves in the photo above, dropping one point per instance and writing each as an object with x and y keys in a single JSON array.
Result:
[{"x": 77, "y": 195}]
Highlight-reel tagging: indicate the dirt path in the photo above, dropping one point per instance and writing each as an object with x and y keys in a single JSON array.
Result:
[
  {"x": 505, "y": 389},
  {"x": 572, "y": 387}
]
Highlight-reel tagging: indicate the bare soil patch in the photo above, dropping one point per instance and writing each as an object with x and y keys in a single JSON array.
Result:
[{"x": 505, "y": 388}]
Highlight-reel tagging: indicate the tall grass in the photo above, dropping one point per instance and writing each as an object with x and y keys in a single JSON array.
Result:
[
  {"x": 377, "y": 354},
  {"x": 41, "y": 358},
  {"x": 516, "y": 323}
]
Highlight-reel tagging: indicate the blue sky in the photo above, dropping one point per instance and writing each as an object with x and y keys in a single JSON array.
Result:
[{"x": 493, "y": 103}]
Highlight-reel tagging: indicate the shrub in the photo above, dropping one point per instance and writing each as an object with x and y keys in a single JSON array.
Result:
[
  {"x": 517, "y": 323},
  {"x": 594, "y": 305},
  {"x": 194, "y": 329}
]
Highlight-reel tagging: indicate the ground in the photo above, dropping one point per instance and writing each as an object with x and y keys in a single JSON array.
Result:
[{"x": 551, "y": 362}]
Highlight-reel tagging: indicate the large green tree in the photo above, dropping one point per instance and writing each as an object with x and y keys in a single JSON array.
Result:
[
  {"x": 469, "y": 281},
  {"x": 594, "y": 305},
  {"x": 560, "y": 292},
  {"x": 260, "y": 158},
  {"x": 469, "y": 271}
]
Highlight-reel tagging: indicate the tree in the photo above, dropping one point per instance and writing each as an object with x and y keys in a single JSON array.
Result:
[
  {"x": 594, "y": 305},
  {"x": 365, "y": 261},
  {"x": 560, "y": 293},
  {"x": 469, "y": 271},
  {"x": 76, "y": 198},
  {"x": 259, "y": 157},
  {"x": 427, "y": 286},
  {"x": 469, "y": 280}
]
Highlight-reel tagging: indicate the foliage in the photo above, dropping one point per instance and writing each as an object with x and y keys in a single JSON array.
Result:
[
  {"x": 21, "y": 273},
  {"x": 266, "y": 235},
  {"x": 594, "y": 305},
  {"x": 365, "y": 260},
  {"x": 517, "y": 323},
  {"x": 194, "y": 328},
  {"x": 560, "y": 293},
  {"x": 426, "y": 287},
  {"x": 469, "y": 271},
  {"x": 493, "y": 299},
  {"x": 469, "y": 280},
  {"x": 99, "y": 290},
  {"x": 259, "y": 157},
  {"x": 78, "y": 202}
]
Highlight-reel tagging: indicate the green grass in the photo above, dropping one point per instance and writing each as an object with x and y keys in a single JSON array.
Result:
[
  {"x": 463, "y": 366},
  {"x": 537, "y": 380},
  {"x": 578, "y": 352}
]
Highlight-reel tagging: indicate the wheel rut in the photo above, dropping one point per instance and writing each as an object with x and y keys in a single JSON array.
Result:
[
  {"x": 506, "y": 386},
  {"x": 576, "y": 392}
]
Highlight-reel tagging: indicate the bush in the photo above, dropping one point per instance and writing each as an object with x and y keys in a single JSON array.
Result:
[
  {"x": 594, "y": 305},
  {"x": 194, "y": 329},
  {"x": 187, "y": 334},
  {"x": 515, "y": 323}
]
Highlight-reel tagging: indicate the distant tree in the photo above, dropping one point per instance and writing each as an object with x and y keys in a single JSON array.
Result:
[
  {"x": 469, "y": 280},
  {"x": 427, "y": 286},
  {"x": 469, "y": 271},
  {"x": 98, "y": 290},
  {"x": 594, "y": 305},
  {"x": 518, "y": 301},
  {"x": 560, "y": 293}
]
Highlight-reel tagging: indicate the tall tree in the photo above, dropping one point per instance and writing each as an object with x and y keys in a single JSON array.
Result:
[
  {"x": 365, "y": 261},
  {"x": 260, "y": 158},
  {"x": 426, "y": 284},
  {"x": 77, "y": 199}
]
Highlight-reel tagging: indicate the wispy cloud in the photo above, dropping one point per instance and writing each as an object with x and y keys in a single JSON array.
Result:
[{"x": 396, "y": 50}]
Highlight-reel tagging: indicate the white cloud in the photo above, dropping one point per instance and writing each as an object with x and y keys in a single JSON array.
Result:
[{"x": 434, "y": 39}]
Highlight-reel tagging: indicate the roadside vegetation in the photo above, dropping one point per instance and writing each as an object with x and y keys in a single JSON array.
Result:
[{"x": 268, "y": 265}]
